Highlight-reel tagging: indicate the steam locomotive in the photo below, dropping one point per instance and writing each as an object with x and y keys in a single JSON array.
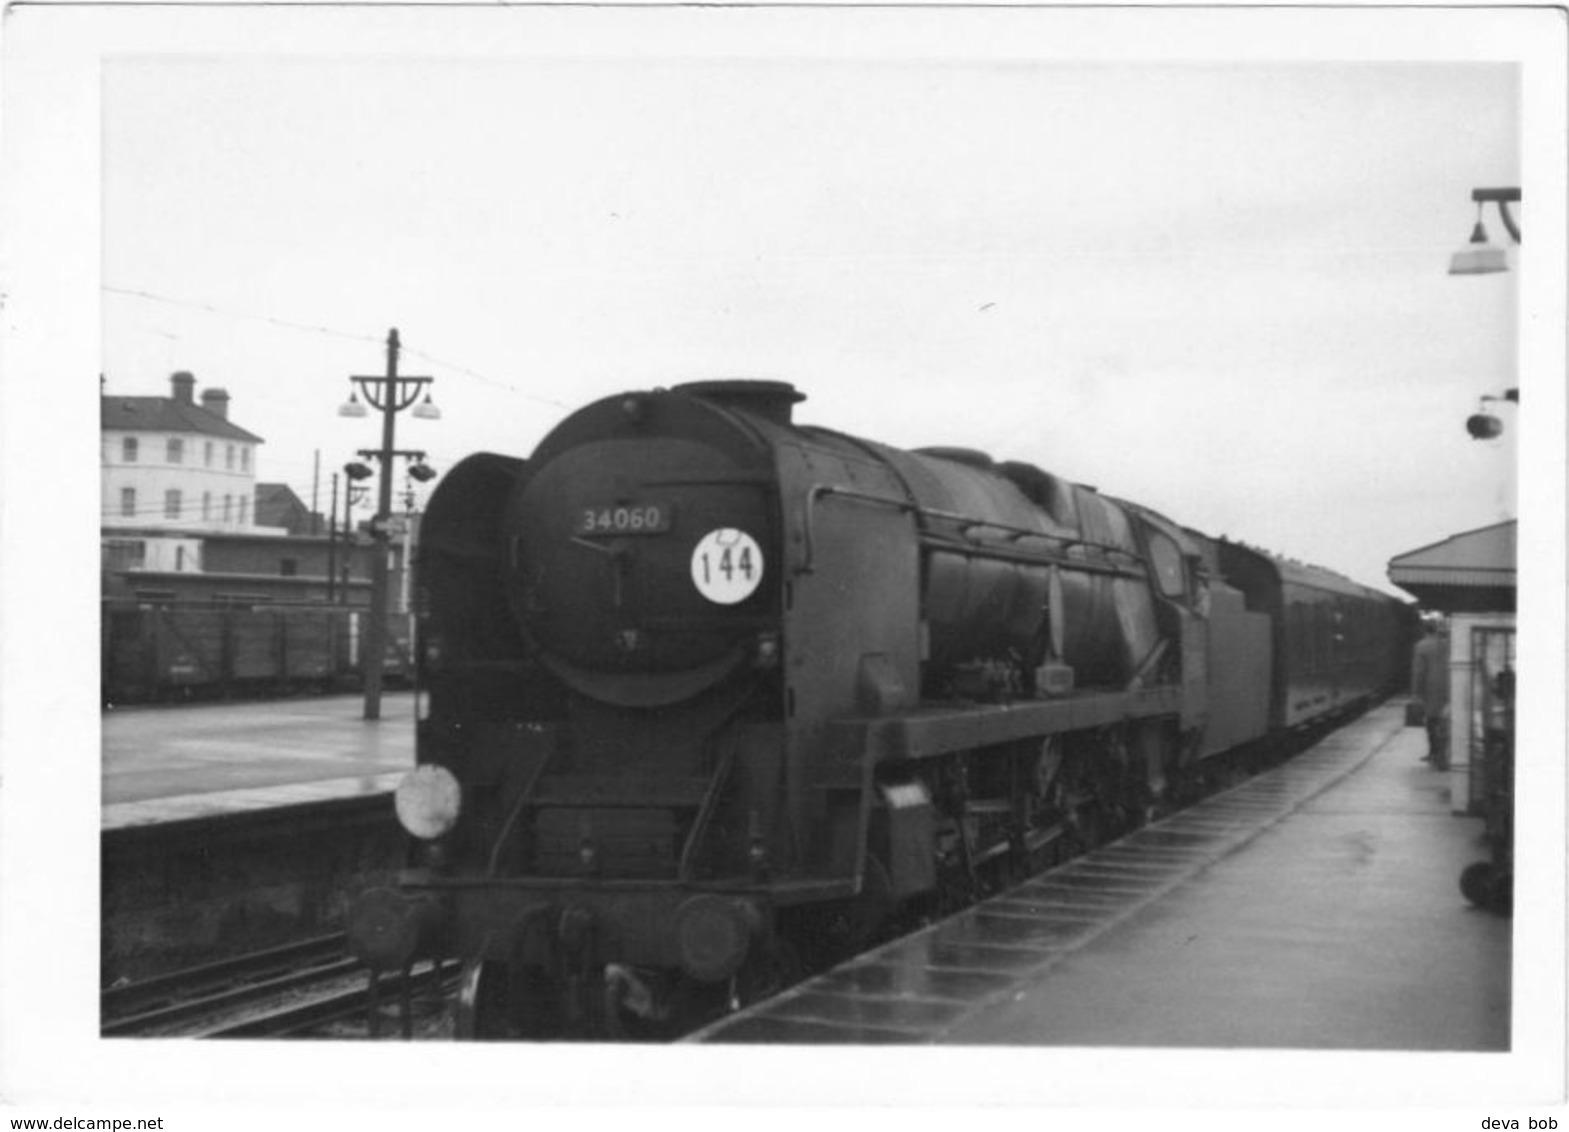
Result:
[{"x": 708, "y": 696}]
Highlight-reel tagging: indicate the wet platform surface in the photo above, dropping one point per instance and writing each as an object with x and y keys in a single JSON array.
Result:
[
  {"x": 1315, "y": 907},
  {"x": 169, "y": 764}
]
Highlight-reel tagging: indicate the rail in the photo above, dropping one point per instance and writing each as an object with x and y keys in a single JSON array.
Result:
[{"x": 293, "y": 989}]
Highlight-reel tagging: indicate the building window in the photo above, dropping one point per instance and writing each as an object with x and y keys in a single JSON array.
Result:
[
  {"x": 245, "y": 459},
  {"x": 128, "y": 502},
  {"x": 244, "y": 511},
  {"x": 226, "y": 508},
  {"x": 171, "y": 503},
  {"x": 179, "y": 558},
  {"x": 288, "y": 567},
  {"x": 125, "y": 554},
  {"x": 128, "y": 449},
  {"x": 207, "y": 498},
  {"x": 228, "y": 458},
  {"x": 176, "y": 450},
  {"x": 207, "y": 454}
]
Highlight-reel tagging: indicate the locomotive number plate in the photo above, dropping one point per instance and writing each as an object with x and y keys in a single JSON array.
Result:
[{"x": 625, "y": 519}]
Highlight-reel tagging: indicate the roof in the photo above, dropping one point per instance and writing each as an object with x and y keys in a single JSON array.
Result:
[
  {"x": 1276, "y": 570},
  {"x": 210, "y": 535},
  {"x": 165, "y": 414},
  {"x": 1473, "y": 571},
  {"x": 277, "y": 494},
  {"x": 1322, "y": 578},
  {"x": 278, "y": 506}
]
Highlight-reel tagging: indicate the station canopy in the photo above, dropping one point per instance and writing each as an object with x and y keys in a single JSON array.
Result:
[{"x": 1471, "y": 572}]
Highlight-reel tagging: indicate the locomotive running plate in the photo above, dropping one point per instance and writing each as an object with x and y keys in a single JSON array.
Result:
[{"x": 625, "y": 519}]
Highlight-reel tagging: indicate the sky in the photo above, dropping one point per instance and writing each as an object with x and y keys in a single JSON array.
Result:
[
  {"x": 1218, "y": 289},
  {"x": 1194, "y": 257}
]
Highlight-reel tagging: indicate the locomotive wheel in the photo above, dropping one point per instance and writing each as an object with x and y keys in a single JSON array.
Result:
[
  {"x": 852, "y": 924},
  {"x": 497, "y": 1003},
  {"x": 1086, "y": 830},
  {"x": 619, "y": 1021},
  {"x": 873, "y": 906},
  {"x": 620, "y": 1024},
  {"x": 482, "y": 1002}
]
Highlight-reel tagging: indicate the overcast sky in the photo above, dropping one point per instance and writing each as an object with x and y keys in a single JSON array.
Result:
[
  {"x": 1196, "y": 257},
  {"x": 1217, "y": 289}
]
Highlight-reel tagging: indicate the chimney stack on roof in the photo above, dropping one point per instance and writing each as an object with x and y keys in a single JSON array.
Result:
[
  {"x": 184, "y": 386},
  {"x": 216, "y": 402}
]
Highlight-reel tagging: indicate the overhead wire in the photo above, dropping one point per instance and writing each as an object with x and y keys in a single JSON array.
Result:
[
  {"x": 290, "y": 324},
  {"x": 493, "y": 382},
  {"x": 154, "y": 506},
  {"x": 212, "y": 309},
  {"x": 316, "y": 486}
]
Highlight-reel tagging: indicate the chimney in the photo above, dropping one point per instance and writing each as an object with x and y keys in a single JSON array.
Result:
[
  {"x": 184, "y": 384},
  {"x": 216, "y": 402},
  {"x": 771, "y": 400}
]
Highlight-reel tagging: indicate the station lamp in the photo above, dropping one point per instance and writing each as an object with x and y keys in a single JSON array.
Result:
[
  {"x": 1479, "y": 257},
  {"x": 1483, "y": 425}
]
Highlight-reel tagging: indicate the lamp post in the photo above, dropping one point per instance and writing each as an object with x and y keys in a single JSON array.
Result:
[
  {"x": 418, "y": 470},
  {"x": 390, "y": 394}
]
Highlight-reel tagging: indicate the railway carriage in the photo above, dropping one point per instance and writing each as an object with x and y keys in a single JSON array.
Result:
[{"x": 203, "y": 650}]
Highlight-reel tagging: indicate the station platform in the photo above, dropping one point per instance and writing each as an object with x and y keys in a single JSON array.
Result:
[
  {"x": 1314, "y": 907},
  {"x": 163, "y": 764}
]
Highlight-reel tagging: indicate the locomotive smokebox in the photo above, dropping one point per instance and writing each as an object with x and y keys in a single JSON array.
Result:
[{"x": 772, "y": 400}]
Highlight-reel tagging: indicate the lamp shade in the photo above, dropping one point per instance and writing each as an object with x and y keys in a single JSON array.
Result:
[
  {"x": 1484, "y": 426},
  {"x": 1478, "y": 259}
]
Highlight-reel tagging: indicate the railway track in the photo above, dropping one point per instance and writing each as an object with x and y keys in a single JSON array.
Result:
[
  {"x": 307, "y": 989},
  {"x": 313, "y": 989}
]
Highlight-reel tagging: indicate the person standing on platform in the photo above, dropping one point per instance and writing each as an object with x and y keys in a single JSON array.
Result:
[{"x": 1430, "y": 685}]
